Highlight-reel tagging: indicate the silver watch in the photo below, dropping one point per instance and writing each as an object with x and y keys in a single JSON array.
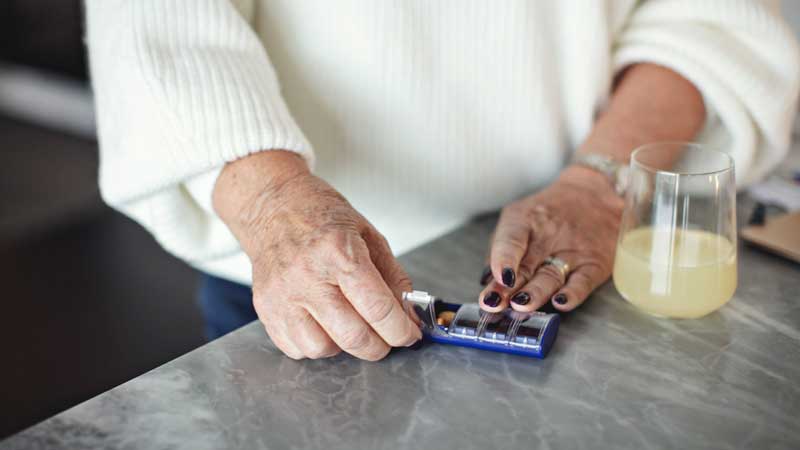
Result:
[{"x": 616, "y": 172}]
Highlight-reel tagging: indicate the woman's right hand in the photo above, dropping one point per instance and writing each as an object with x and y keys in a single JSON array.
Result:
[{"x": 324, "y": 279}]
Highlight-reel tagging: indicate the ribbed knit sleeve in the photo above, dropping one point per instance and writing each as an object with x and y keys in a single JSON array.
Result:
[
  {"x": 741, "y": 56},
  {"x": 181, "y": 87}
]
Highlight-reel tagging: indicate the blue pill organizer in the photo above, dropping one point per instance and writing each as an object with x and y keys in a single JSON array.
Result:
[{"x": 509, "y": 331}]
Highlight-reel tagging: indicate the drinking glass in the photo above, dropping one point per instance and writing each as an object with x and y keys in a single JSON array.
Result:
[{"x": 676, "y": 252}]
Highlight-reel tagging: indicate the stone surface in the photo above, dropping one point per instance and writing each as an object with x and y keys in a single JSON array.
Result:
[{"x": 616, "y": 378}]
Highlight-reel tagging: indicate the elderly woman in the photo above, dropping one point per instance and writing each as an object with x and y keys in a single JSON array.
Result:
[{"x": 397, "y": 121}]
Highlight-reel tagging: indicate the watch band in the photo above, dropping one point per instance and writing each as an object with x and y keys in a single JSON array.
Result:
[{"x": 616, "y": 172}]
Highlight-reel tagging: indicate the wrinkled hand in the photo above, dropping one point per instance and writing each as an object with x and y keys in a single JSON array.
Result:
[
  {"x": 575, "y": 219},
  {"x": 324, "y": 280}
]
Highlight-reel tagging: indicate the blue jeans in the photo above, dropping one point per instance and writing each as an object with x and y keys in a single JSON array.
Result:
[{"x": 226, "y": 305}]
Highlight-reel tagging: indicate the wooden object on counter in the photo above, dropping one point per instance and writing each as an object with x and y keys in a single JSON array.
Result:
[{"x": 779, "y": 235}]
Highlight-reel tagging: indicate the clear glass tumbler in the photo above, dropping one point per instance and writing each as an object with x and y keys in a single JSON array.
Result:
[{"x": 676, "y": 253}]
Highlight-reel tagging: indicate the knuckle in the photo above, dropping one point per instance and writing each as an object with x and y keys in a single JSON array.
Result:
[
  {"x": 537, "y": 249},
  {"x": 537, "y": 291},
  {"x": 377, "y": 311},
  {"x": 513, "y": 244},
  {"x": 355, "y": 338},
  {"x": 506, "y": 255},
  {"x": 540, "y": 214},
  {"x": 402, "y": 278},
  {"x": 399, "y": 278},
  {"x": 295, "y": 316},
  {"x": 546, "y": 223},
  {"x": 594, "y": 273},
  {"x": 512, "y": 233},
  {"x": 581, "y": 283},
  {"x": 550, "y": 274},
  {"x": 328, "y": 238},
  {"x": 344, "y": 247},
  {"x": 379, "y": 237}
]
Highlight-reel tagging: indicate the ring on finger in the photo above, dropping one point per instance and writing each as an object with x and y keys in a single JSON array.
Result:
[{"x": 558, "y": 263}]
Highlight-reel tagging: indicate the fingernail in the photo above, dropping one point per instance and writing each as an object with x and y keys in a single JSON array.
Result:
[
  {"x": 509, "y": 277},
  {"x": 492, "y": 299},
  {"x": 561, "y": 299},
  {"x": 522, "y": 298},
  {"x": 485, "y": 275}
]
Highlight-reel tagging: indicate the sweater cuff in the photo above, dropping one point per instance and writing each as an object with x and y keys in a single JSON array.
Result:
[{"x": 201, "y": 188}]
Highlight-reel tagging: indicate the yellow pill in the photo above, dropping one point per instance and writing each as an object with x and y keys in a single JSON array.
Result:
[{"x": 444, "y": 318}]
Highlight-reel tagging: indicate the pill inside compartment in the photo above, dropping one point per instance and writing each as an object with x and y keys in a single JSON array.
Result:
[{"x": 444, "y": 314}]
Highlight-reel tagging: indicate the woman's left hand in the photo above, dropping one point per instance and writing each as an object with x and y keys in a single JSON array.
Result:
[{"x": 576, "y": 219}]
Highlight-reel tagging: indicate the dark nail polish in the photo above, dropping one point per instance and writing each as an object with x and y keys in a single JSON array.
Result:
[
  {"x": 485, "y": 275},
  {"x": 561, "y": 299},
  {"x": 492, "y": 299},
  {"x": 522, "y": 298},
  {"x": 509, "y": 277}
]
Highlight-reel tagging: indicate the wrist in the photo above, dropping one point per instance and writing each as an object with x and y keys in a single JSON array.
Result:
[
  {"x": 592, "y": 181},
  {"x": 585, "y": 176},
  {"x": 248, "y": 186},
  {"x": 614, "y": 170}
]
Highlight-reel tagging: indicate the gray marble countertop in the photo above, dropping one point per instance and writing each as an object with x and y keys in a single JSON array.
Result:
[{"x": 616, "y": 378}]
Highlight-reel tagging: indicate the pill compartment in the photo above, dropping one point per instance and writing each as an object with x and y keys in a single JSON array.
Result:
[
  {"x": 509, "y": 331},
  {"x": 466, "y": 321},
  {"x": 497, "y": 328},
  {"x": 444, "y": 314},
  {"x": 530, "y": 330}
]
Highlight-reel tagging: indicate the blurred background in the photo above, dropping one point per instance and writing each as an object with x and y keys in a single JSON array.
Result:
[{"x": 89, "y": 299}]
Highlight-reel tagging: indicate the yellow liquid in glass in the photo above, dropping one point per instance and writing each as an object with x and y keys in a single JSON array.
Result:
[{"x": 687, "y": 274}]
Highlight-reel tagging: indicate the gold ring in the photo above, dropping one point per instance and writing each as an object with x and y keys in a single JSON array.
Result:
[{"x": 559, "y": 264}]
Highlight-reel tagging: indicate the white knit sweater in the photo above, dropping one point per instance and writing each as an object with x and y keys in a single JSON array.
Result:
[{"x": 422, "y": 113}]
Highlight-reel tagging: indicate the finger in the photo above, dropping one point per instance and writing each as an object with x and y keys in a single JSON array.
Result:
[
  {"x": 545, "y": 282},
  {"x": 307, "y": 335},
  {"x": 508, "y": 247},
  {"x": 381, "y": 255},
  {"x": 281, "y": 340},
  {"x": 580, "y": 284},
  {"x": 494, "y": 297},
  {"x": 365, "y": 289},
  {"x": 390, "y": 269},
  {"x": 346, "y": 327},
  {"x": 486, "y": 273},
  {"x": 272, "y": 319},
  {"x": 393, "y": 273},
  {"x": 539, "y": 248}
]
